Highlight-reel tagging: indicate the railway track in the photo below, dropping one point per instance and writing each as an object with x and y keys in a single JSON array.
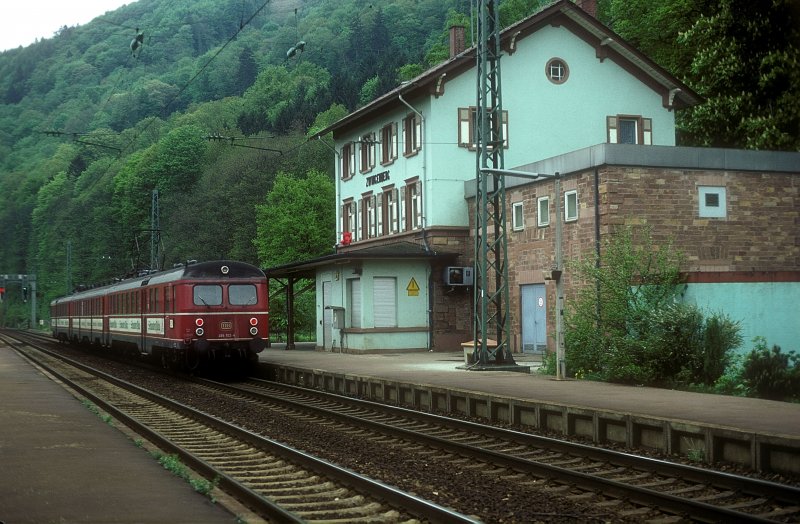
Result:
[
  {"x": 682, "y": 491},
  {"x": 278, "y": 482},
  {"x": 627, "y": 486}
]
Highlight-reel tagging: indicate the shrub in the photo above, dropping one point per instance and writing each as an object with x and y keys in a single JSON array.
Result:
[
  {"x": 772, "y": 374},
  {"x": 628, "y": 327},
  {"x": 720, "y": 338}
]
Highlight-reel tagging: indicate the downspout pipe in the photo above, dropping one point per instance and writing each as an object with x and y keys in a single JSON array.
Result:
[
  {"x": 337, "y": 208},
  {"x": 597, "y": 234},
  {"x": 424, "y": 215},
  {"x": 424, "y": 173}
]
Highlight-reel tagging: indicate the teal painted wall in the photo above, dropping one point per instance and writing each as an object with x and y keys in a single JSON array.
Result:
[
  {"x": 767, "y": 309},
  {"x": 544, "y": 119},
  {"x": 412, "y": 307}
]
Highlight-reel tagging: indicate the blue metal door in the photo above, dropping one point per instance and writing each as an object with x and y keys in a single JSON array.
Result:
[{"x": 534, "y": 318}]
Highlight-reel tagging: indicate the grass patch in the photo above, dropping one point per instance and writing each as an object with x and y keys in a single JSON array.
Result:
[
  {"x": 173, "y": 464},
  {"x": 105, "y": 417}
]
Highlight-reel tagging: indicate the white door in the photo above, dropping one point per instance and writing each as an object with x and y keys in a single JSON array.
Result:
[{"x": 327, "y": 315}]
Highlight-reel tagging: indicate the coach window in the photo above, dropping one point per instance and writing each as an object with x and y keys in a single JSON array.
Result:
[
  {"x": 166, "y": 299},
  {"x": 208, "y": 295},
  {"x": 242, "y": 295}
]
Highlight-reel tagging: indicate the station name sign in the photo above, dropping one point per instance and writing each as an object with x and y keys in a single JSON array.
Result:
[{"x": 383, "y": 176}]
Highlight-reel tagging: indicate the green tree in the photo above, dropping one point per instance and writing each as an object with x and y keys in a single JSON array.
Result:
[
  {"x": 655, "y": 28},
  {"x": 297, "y": 221},
  {"x": 747, "y": 66}
]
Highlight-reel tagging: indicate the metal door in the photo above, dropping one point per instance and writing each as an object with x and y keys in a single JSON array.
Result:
[
  {"x": 534, "y": 318},
  {"x": 327, "y": 316}
]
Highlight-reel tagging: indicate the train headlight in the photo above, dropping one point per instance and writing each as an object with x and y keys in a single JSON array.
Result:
[
  {"x": 199, "y": 322},
  {"x": 254, "y": 331},
  {"x": 253, "y": 321},
  {"x": 199, "y": 332}
]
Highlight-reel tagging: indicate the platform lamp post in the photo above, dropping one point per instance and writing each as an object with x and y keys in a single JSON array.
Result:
[{"x": 557, "y": 272}]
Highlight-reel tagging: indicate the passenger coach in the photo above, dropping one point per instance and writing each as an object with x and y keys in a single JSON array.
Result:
[{"x": 184, "y": 316}]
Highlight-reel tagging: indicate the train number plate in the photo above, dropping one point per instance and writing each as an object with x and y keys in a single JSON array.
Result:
[{"x": 226, "y": 325}]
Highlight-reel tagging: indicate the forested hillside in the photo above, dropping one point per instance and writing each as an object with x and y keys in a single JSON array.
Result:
[{"x": 218, "y": 97}]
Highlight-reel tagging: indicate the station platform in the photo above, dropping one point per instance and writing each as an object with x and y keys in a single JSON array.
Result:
[
  {"x": 761, "y": 434},
  {"x": 61, "y": 463}
]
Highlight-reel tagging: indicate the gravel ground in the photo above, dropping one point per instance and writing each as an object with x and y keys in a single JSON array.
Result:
[{"x": 491, "y": 496}]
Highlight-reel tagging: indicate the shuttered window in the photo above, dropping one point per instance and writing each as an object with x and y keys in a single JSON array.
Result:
[
  {"x": 389, "y": 143},
  {"x": 627, "y": 129},
  {"x": 467, "y": 128},
  {"x": 412, "y": 134},
  {"x": 384, "y": 300}
]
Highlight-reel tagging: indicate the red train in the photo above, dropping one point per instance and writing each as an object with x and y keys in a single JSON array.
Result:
[{"x": 185, "y": 317}]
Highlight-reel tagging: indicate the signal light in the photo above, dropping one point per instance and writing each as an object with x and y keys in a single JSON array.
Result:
[
  {"x": 253, "y": 321},
  {"x": 199, "y": 332},
  {"x": 198, "y": 322},
  {"x": 254, "y": 331}
]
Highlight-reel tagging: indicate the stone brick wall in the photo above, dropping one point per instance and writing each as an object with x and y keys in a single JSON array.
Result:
[{"x": 761, "y": 232}]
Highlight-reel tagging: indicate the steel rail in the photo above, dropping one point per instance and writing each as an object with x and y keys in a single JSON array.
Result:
[{"x": 395, "y": 497}]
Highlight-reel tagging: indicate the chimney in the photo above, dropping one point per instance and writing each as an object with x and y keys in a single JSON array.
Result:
[
  {"x": 457, "y": 37},
  {"x": 590, "y": 6}
]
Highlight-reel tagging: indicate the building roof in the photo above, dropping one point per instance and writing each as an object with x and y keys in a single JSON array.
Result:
[
  {"x": 671, "y": 157},
  {"x": 607, "y": 43},
  {"x": 391, "y": 251}
]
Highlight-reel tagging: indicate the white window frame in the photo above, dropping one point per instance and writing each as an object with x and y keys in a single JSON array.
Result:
[
  {"x": 542, "y": 219},
  {"x": 708, "y": 211},
  {"x": 348, "y": 169},
  {"x": 413, "y": 201},
  {"x": 557, "y": 70},
  {"x": 467, "y": 127},
  {"x": 412, "y": 134},
  {"x": 517, "y": 216},
  {"x": 388, "y": 143},
  {"x": 367, "y": 156},
  {"x": 568, "y": 195},
  {"x": 644, "y": 128}
]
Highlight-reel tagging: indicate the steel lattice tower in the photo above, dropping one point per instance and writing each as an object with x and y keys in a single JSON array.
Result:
[
  {"x": 491, "y": 259},
  {"x": 155, "y": 233}
]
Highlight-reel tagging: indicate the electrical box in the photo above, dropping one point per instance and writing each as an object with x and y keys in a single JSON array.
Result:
[
  {"x": 458, "y": 276},
  {"x": 337, "y": 316}
]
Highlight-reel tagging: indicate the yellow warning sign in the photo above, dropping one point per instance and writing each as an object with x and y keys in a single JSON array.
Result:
[{"x": 412, "y": 288}]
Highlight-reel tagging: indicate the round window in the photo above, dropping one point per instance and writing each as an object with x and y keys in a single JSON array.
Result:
[{"x": 557, "y": 71}]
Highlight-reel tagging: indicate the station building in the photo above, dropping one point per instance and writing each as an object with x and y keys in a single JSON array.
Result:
[{"x": 577, "y": 100}]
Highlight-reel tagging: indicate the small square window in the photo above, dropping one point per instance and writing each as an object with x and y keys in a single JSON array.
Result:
[
  {"x": 543, "y": 211},
  {"x": 712, "y": 202},
  {"x": 570, "y": 206},
  {"x": 517, "y": 217}
]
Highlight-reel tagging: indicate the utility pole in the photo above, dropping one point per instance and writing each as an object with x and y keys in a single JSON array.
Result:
[
  {"x": 69, "y": 267},
  {"x": 491, "y": 259},
  {"x": 155, "y": 233}
]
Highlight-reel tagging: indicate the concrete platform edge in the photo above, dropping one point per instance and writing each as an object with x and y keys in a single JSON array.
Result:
[{"x": 705, "y": 442}]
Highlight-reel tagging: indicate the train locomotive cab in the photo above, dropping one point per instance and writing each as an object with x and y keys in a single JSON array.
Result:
[
  {"x": 221, "y": 314},
  {"x": 199, "y": 315}
]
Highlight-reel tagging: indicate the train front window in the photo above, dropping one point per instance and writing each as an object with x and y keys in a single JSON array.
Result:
[
  {"x": 242, "y": 294},
  {"x": 207, "y": 295}
]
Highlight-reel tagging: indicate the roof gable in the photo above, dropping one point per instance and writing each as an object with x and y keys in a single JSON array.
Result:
[{"x": 607, "y": 44}]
